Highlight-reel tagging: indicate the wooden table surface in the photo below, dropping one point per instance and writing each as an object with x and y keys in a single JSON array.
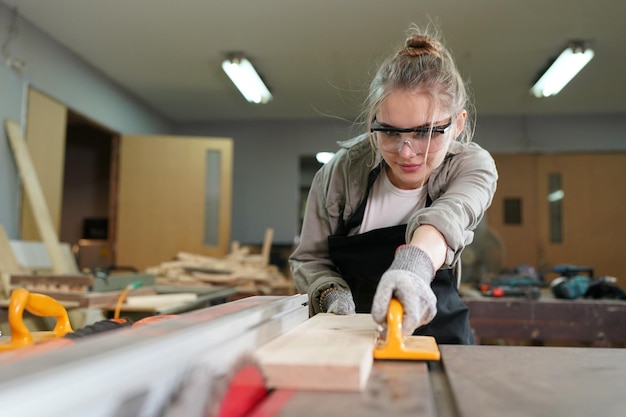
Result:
[
  {"x": 594, "y": 322},
  {"x": 536, "y": 381},
  {"x": 481, "y": 381}
]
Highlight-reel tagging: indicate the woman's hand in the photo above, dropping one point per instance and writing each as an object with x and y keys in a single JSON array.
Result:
[
  {"x": 337, "y": 301},
  {"x": 407, "y": 279}
]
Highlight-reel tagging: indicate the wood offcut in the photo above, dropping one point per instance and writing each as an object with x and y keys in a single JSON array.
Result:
[{"x": 327, "y": 352}]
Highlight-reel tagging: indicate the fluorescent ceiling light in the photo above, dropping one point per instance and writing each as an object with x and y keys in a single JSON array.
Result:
[
  {"x": 323, "y": 157},
  {"x": 244, "y": 76},
  {"x": 562, "y": 70},
  {"x": 556, "y": 196}
]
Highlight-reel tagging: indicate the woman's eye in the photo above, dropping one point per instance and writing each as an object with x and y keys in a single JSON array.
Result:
[
  {"x": 421, "y": 134},
  {"x": 426, "y": 133},
  {"x": 391, "y": 133}
]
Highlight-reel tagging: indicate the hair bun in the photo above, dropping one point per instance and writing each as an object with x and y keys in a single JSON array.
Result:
[{"x": 418, "y": 45}]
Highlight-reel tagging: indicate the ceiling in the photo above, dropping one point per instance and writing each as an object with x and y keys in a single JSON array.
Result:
[{"x": 317, "y": 56}]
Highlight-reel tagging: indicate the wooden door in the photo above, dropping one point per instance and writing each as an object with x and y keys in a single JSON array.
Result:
[
  {"x": 590, "y": 209},
  {"x": 45, "y": 139},
  {"x": 174, "y": 192},
  {"x": 571, "y": 210},
  {"x": 174, "y": 195},
  {"x": 516, "y": 187}
]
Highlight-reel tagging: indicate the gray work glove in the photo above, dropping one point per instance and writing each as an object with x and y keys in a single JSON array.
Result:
[
  {"x": 407, "y": 279},
  {"x": 337, "y": 301}
]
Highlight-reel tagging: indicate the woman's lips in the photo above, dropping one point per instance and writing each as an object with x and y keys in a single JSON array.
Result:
[{"x": 410, "y": 167}]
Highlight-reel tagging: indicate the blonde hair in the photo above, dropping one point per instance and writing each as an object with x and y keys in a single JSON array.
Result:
[{"x": 422, "y": 64}]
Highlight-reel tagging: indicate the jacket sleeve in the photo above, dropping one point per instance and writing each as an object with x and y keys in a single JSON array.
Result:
[
  {"x": 312, "y": 269},
  {"x": 462, "y": 191}
]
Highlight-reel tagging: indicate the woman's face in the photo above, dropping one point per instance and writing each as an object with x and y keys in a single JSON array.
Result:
[{"x": 413, "y": 156}]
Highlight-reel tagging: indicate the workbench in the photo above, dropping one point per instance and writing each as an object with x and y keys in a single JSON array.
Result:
[
  {"x": 175, "y": 364},
  {"x": 480, "y": 381},
  {"x": 549, "y": 320},
  {"x": 207, "y": 296}
]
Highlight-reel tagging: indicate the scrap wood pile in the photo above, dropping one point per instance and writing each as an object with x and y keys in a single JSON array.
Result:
[{"x": 249, "y": 273}]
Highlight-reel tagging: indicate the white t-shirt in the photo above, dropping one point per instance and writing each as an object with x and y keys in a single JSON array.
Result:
[{"x": 388, "y": 205}]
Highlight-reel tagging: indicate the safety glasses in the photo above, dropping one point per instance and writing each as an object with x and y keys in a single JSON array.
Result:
[{"x": 421, "y": 139}]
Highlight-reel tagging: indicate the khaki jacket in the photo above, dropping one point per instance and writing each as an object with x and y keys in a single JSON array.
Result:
[{"x": 461, "y": 188}]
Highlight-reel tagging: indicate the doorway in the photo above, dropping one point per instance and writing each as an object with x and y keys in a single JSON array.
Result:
[
  {"x": 134, "y": 200},
  {"x": 89, "y": 183},
  {"x": 308, "y": 168}
]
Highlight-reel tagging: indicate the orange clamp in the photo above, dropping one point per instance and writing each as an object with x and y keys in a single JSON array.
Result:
[{"x": 37, "y": 304}]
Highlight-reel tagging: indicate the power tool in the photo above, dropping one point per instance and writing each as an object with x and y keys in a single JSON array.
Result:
[
  {"x": 572, "y": 282},
  {"x": 522, "y": 281}
]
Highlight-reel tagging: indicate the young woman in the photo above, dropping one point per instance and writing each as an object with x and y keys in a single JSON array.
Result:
[{"x": 389, "y": 215}]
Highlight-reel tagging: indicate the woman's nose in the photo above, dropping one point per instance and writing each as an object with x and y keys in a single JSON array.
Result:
[{"x": 406, "y": 149}]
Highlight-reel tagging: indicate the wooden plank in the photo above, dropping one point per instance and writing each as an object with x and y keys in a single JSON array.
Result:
[
  {"x": 522, "y": 381},
  {"x": 160, "y": 300},
  {"x": 95, "y": 299},
  {"x": 36, "y": 198},
  {"x": 8, "y": 261},
  {"x": 395, "y": 388},
  {"x": 267, "y": 246},
  {"x": 64, "y": 283},
  {"x": 45, "y": 133},
  {"x": 327, "y": 352}
]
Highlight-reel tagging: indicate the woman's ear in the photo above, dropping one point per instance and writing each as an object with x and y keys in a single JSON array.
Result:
[{"x": 460, "y": 123}]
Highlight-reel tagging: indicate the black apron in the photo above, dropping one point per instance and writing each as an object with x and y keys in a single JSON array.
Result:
[{"x": 362, "y": 259}]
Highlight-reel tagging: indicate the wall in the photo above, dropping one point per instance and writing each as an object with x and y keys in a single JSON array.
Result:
[
  {"x": 266, "y": 175},
  {"x": 554, "y": 133},
  {"x": 265, "y": 182},
  {"x": 54, "y": 70}
]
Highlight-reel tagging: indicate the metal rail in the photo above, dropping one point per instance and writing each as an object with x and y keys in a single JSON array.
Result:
[{"x": 144, "y": 371}]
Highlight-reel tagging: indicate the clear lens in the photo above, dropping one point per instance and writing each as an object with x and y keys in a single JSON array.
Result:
[
  {"x": 423, "y": 139},
  {"x": 421, "y": 144}
]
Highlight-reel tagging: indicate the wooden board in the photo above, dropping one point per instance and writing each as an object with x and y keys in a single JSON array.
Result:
[
  {"x": 160, "y": 300},
  {"x": 45, "y": 132},
  {"x": 64, "y": 283},
  {"x": 327, "y": 352},
  {"x": 8, "y": 261},
  {"x": 36, "y": 198},
  {"x": 522, "y": 381},
  {"x": 394, "y": 389},
  {"x": 95, "y": 299}
]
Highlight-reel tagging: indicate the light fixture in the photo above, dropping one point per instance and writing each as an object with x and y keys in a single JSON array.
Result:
[
  {"x": 246, "y": 79},
  {"x": 556, "y": 196},
  {"x": 562, "y": 70}
]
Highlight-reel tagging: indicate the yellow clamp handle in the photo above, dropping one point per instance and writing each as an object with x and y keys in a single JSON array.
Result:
[
  {"x": 40, "y": 305},
  {"x": 394, "y": 324}
]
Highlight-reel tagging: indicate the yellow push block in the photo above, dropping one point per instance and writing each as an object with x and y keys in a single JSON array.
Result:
[{"x": 397, "y": 346}]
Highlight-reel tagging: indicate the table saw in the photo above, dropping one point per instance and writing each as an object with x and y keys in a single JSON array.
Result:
[{"x": 172, "y": 367}]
